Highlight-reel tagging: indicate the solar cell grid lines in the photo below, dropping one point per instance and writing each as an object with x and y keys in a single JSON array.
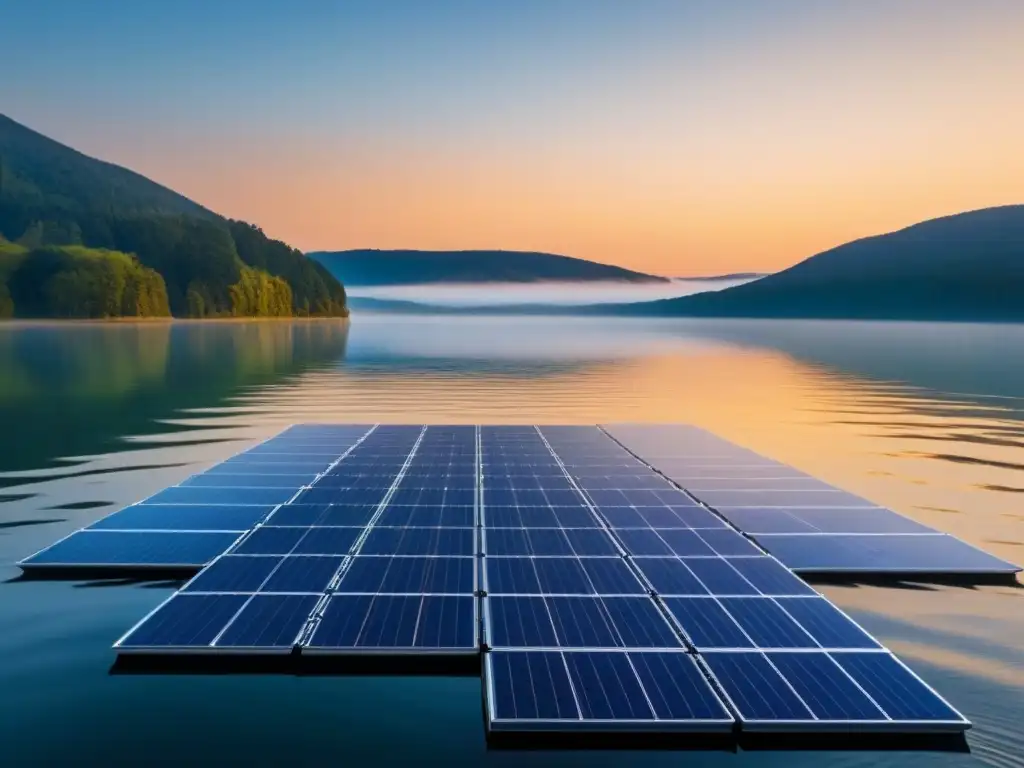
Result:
[{"x": 615, "y": 579}]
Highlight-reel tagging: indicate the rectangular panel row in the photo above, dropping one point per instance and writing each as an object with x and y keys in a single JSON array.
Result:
[
  {"x": 809, "y": 525},
  {"x": 829, "y": 692}
]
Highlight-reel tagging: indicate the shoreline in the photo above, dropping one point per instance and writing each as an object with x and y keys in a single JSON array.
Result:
[{"x": 44, "y": 321}]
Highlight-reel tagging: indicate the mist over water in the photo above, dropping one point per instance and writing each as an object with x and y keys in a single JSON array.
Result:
[{"x": 552, "y": 293}]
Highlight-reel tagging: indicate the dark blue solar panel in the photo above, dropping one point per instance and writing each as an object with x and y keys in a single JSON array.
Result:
[
  {"x": 770, "y": 577},
  {"x": 511, "y": 576},
  {"x": 409, "y": 575},
  {"x": 729, "y": 543},
  {"x": 623, "y": 517},
  {"x": 787, "y": 499},
  {"x": 826, "y": 623},
  {"x": 520, "y": 517},
  {"x": 756, "y": 690},
  {"x": 606, "y": 687},
  {"x": 680, "y": 516},
  {"x": 897, "y": 553},
  {"x": 233, "y": 573},
  {"x": 719, "y": 577},
  {"x": 265, "y": 480},
  {"x": 160, "y": 517},
  {"x": 530, "y": 686},
  {"x": 269, "y": 462},
  {"x": 547, "y": 541},
  {"x": 257, "y": 496},
  {"x": 323, "y": 515},
  {"x": 575, "y": 517},
  {"x": 621, "y": 690},
  {"x": 613, "y": 622},
  {"x": 562, "y": 575},
  {"x": 319, "y": 495},
  {"x": 644, "y": 541},
  {"x": 327, "y": 541},
  {"x": 184, "y": 621},
  {"x": 690, "y": 543},
  {"x": 766, "y": 623},
  {"x": 869, "y": 520},
  {"x": 516, "y": 621},
  {"x": 706, "y": 623},
  {"x": 241, "y": 465},
  {"x": 269, "y": 540},
  {"x": 506, "y": 541},
  {"x": 303, "y": 573},
  {"x": 428, "y": 516},
  {"x": 896, "y": 690},
  {"x": 269, "y": 622},
  {"x": 590, "y": 542},
  {"x": 142, "y": 548},
  {"x": 419, "y": 541},
  {"x": 677, "y": 689},
  {"x": 669, "y": 576},
  {"x": 434, "y": 496},
  {"x": 611, "y": 576},
  {"x": 766, "y": 520},
  {"x": 390, "y": 622},
  {"x": 824, "y": 688}
]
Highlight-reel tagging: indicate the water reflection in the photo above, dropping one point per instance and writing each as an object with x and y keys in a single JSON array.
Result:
[{"x": 926, "y": 419}]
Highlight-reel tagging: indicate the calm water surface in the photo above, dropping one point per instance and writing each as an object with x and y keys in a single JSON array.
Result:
[{"x": 926, "y": 419}]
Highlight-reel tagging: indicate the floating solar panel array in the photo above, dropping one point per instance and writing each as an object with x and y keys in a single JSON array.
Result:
[
  {"x": 577, "y": 641},
  {"x": 602, "y": 595},
  {"x": 184, "y": 527},
  {"x": 377, "y": 555},
  {"x": 664, "y": 618},
  {"x": 810, "y": 526}
]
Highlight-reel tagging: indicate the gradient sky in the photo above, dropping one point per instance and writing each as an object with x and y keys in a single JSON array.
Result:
[{"x": 673, "y": 136}]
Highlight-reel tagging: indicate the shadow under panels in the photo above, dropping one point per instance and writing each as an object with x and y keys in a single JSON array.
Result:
[{"x": 811, "y": 527}]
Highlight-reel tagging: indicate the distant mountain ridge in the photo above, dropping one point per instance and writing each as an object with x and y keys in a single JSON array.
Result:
[
  {"x": 730, "y": 276},
  {"x": 368, "y": 267},
  {"x": 89, "y": 238},
  {"x": 964, "y": 267}
]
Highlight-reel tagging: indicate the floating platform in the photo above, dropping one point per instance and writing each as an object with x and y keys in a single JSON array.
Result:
[{"x": 631, "y": 584}]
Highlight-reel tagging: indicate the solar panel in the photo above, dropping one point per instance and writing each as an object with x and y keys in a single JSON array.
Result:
[
  {"x": 896, "y": 553},
  {"x": 268, "y": 623},
  {"x": 409, "y": 575},
  {"x": 519, "y": 621},
  {"x": 159, "y": 517},
  {"x": 611, "y": 600},
  {"x": 616, "y": 691},
  {"x": 396, "y": 624},
  {"x": 818, "y": 691},
  {"x": 137, "y": 549},
  {"x": 184, "y": 623},
  {"x": 779, "y": 505}
]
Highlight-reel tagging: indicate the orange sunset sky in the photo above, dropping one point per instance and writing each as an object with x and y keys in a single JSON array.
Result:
[{"x": 681, "y": 138}]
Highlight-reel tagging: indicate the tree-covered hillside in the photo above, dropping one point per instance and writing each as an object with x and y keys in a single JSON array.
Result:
[
  {"x": 372, "y": 267},
  {"x": 53, "y": 198}
]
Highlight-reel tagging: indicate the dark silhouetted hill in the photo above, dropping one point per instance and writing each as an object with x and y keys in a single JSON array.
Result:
[
  {"x": 373, "y": 267},
  {"x": 967, "y": 267}
]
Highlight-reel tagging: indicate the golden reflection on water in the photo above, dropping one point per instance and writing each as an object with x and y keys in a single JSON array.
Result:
[
  {"x": 932, "y": 456},
  {"x": 933, "y": 430}
]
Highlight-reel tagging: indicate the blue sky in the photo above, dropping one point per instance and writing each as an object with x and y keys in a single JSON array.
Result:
[{"x": 671, "y": 135}]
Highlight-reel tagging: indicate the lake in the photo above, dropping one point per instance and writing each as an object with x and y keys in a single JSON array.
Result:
[{"x": 926, "y": 419}]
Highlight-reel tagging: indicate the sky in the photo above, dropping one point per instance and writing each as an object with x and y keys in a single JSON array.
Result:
[{"x": 678, "y": 137}]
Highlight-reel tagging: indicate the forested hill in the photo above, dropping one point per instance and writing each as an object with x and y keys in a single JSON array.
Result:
[
  {"x": 373, "y": 267},
  {"x": 965, "y": 267},
  {"x": 75, "y": 231}
]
